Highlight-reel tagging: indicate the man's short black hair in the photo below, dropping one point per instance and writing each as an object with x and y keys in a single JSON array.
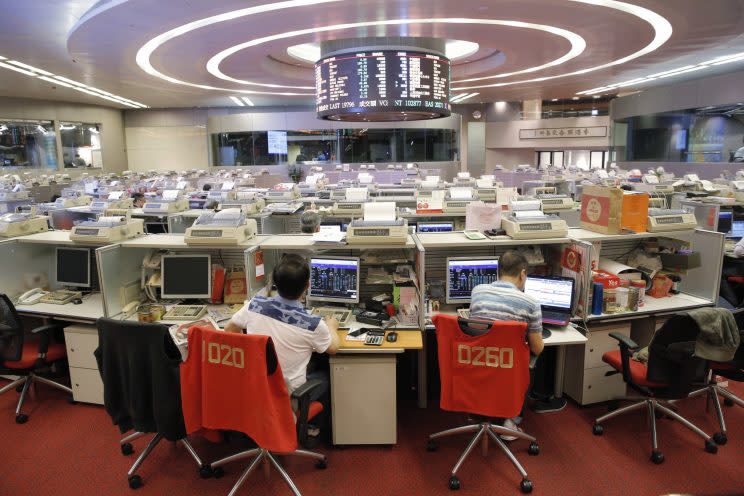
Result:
[
  {"x": 511, "y": 264},
  {"x": 291, "y": 275},
  {"x": 137, "y": 196}
]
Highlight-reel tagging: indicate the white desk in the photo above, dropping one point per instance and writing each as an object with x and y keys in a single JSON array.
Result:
[
  {"x": 178, "y": 242},
  {"x": 61, "y": 238},
  {"x": 459, "y": 240},
  {"x": 88, "y": 311}
]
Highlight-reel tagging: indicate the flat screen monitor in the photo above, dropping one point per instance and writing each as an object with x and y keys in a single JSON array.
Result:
[
  {"x": 553, "y": 293},
  {"x": 334, "y": 279},
  {"x": 464, "y": 273},
  {"x": 427, "y": 227},
  {"x": 73, "y": 267},
  {"x": 724, "y": 222},
  {"x": 185, "y": 276},
  {"x": 737, "y": 229},
  {"x": 65, "y": 219},
  {"x": 156, "y": 228}
]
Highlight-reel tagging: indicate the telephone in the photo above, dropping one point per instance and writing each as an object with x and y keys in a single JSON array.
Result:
[
  {"x": 150, "y": 276},
  {"x": 31, "y": 296},
  {"x": 692, "y": 177}
]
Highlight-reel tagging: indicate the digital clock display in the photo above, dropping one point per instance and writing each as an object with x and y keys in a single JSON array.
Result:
[{"x": 382, "y": 86}]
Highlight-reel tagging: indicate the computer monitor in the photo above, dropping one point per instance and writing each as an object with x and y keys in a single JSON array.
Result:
[
  {"x": 553, "y": 292},
  {"x": 737, "y": 229},
  {"x": 464, "y": 273},
  {"x": 427, "y": 227},
  {"x": 185, "y": 276},
  {"x": 73, "y": 267},
  {"x": 724, "y": 222},
  {"x": 334, "y": 279}
]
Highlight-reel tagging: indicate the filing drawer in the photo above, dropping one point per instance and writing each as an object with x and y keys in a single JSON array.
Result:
[
  {"x": 81, "y": 342},
  {"x": 598, "y": 387},
  {"x": 599, "y": 342},
  {"x": 87, "y": 386}
]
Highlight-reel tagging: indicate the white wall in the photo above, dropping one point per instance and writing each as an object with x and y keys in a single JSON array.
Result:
[{"x": 111, "y": 120}]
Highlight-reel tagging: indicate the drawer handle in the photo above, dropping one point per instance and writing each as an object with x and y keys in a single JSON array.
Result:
[
  {"x": 78, "y": 385},
  {"x": 72, "y": 349},
  {"x": 591, "y": 350},
  {"x": 588, "y": 387}
]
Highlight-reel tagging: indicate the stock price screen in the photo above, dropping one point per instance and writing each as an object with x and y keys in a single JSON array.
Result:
[{"x": 382, "y": 85}]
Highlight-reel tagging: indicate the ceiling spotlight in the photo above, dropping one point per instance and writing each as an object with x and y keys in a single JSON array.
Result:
[
  {"x": 575, "y": 98},
  {"x": 237, "y": 101},
  {"x": 597, "y": 96},
  {"x": 554, "y": 100}
]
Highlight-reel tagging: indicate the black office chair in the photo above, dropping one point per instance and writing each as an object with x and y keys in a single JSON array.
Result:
[
  {"x": 139, "y": 365},
  {"x": 27, "y": 354},
  {"x": 672, "y": 373}
]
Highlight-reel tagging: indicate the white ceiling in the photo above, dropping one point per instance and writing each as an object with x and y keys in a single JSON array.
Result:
[{"x": 97, "y": 43}]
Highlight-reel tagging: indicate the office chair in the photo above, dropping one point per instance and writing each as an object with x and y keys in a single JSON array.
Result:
[
  {"x": 27, "y": 355},
  {"x": 672, "y": 373},
  {"x": 139, "y": 366},
  {"x": 249, "y": 396},
  {"x": 477, "y": 356}
]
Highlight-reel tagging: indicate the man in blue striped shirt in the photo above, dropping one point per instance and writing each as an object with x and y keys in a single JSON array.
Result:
[{"x": 505, "y": 300}]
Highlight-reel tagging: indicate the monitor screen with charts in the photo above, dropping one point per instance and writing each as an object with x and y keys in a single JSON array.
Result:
[
  {"x": 737, "y": 229},
  {"x": 73, "y": 267},
  {"x": 463, "y": 274},
  {"x": 724, "y": 222},
  {"x": 185, "y": 276},
  {"x": 334, "y": 279},
  {"x": 555, "y": 295},
  {"x": 426, "y": 227}
]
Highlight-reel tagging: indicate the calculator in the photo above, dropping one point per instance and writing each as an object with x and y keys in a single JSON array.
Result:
[{"x": 374, "y": 338}]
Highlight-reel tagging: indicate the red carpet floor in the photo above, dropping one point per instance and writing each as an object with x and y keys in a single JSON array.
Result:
[{"x": 73, "y": 450}]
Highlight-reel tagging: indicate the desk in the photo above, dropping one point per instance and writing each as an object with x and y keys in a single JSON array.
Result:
[
  {"x": 363, "y": 389},
  {"x": 87, "y": 312}
]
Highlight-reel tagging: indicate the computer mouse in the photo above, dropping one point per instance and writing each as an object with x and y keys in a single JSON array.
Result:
[
  {"x": 77, "y": 301},
  {"x": 391, "y": 337}
]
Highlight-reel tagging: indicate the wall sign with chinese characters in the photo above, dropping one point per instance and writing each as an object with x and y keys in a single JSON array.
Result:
[{"x": 564, "y": 132}]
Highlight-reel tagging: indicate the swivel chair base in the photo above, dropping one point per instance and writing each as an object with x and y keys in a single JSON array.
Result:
[
  {"x": 483, "y": 431},
  {"x": 713, "y": 391},
  {"x": 25, "y": 383},
  {"x": 135, "y": 481},
  {"x": 654, "y": 406},
  {"x": 264, "y": 455}
]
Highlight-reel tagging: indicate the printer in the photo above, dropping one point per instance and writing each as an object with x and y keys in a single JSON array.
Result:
[
  {"x": 457, "y": 200},
  {"x": 227, "y": 227},
  {"x": 107, "y": 229},
  {"x": 338, "y": 194},
  {"x": 554, "y": 203},
  {"x": 9, "y": 195},
  {"x": 20, "y": 224},
  {"x": 284, "y": 207},
  {"x": 463, "y": 179},
  {"x": 221, "y": 195},
  {"x": 170, "y": 202},
  {"x": 348, "y": 208},
  {"x": 113, "y": 202},
  {"x": 532, "y": 224},
  {"x": 283, "y": 192},
  {"x": 73, "y": 198},
  {"x": 738, "y": 189},
  {"x": 377, "y": 232},
  {"x": 663, "y": 219},
  {"x": 246, "y": 206}
]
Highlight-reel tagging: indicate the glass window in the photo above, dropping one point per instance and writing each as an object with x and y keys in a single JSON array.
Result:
[
  {"x": 81, "y": 144},
  {"x": 27, "y": 144}
]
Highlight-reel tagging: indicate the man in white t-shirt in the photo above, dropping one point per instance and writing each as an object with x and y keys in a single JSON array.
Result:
[
  {"x": 739, "y": 154},
  {"x": 295, "y": 331}
]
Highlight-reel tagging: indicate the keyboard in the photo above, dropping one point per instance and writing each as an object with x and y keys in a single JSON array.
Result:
[
  {"x": 60, "y": 297},
  {"x": 341, "y": 314},
  {"x": 185, "y": 312}
]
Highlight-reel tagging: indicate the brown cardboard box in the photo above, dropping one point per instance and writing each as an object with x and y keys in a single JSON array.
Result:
[{"x": 610, "y": 210}]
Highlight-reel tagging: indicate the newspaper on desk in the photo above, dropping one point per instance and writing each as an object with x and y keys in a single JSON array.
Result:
[{"x": 180, "y": 334}]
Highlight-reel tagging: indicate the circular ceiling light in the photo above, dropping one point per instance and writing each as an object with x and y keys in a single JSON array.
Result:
[
  {"x": 578, "y": 44},
  {"x": 454, "y": 49},
  {"x": 662, "y": 32}
]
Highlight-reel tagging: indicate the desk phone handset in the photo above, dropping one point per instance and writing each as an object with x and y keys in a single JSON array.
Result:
[{"x": 31, "y": 296}]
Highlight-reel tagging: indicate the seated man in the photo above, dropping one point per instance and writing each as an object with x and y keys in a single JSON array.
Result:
[
  {"x": 138, "y": 200},
  {"x": 505, "y": 300},
  {"x": 296, "y": 332},
  {"x": 310, "y": 222}
]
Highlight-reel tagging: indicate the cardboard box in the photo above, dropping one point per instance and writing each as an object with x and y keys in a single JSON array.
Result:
[
  {"x": 608, "y": 280},
  {"x": 678, "y": 262},
  {"x": 610, "y": 210}
]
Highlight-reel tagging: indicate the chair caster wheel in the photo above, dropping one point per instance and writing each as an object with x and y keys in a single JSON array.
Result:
[
  {"x": 205, "y": 472},
  {"x": 218, "y": 472},
  {"x": 525, "y": 486},
  {"x": 135, "y": 482},
  {"x": 597, "y": 429},
  {"x": 127, "y": 449},
  {"x": 322, "y": 464},
  {"x": 720, "y": 438},
  {"x": 454, "y": 483},
  {"x": 534, "y": 449},
  {"x": 657, "y": 457},
  {"x": 432, "y": 445},
  {"x": 21, "y": 418},
  {"x": 711, "y": 446},
  {"x": 20, "y": 388},
  {"x": 726, "y": 401}
]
